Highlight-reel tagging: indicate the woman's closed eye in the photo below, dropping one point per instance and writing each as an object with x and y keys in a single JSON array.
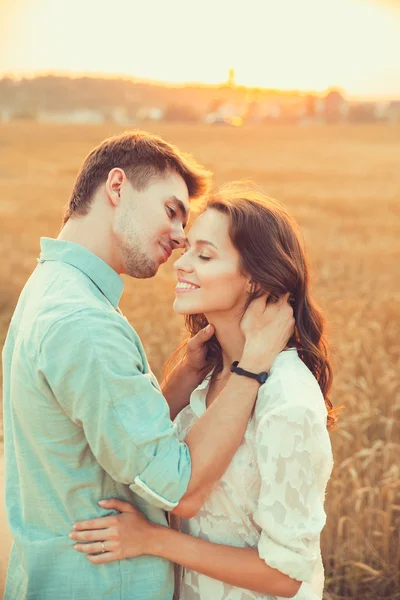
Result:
[{"x": 201, "y": 256}]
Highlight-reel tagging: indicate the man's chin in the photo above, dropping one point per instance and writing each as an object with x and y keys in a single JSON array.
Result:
[{"x": 144, "y": 272}]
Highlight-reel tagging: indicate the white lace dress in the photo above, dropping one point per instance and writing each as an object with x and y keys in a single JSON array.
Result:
[{"x": 271, "y": 497}]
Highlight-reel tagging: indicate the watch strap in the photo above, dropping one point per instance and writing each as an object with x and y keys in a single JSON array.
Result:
[{"x": 260, "y": 377}]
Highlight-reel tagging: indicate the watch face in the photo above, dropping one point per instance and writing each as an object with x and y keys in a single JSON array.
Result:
[{"x": 263, "y": 377}]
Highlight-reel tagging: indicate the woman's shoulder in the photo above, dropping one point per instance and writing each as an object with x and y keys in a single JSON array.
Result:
[{"x": 290, "y": 388}]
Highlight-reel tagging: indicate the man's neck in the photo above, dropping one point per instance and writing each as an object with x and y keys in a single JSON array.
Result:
[{"x": 92, "y": 236}]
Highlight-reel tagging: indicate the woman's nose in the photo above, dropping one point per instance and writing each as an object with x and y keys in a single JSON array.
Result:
[{"x": 183, "y": 264}]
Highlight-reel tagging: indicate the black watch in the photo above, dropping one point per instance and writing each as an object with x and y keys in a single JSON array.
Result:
[{"x": 260, "y": 377}]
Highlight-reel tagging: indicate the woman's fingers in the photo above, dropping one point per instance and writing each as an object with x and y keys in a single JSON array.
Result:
[
  {"x": 92, "y": 535},
  {"x": 100, "y": 523},
  {"x": 114, "y": 503},
  {"x": 106, "y": 557},
  {"x": 285, "y": 301},
  {"x": 260, "y": 303},
  {"x": 96, "y": 554},
  {"x": 95, "y": 548}
]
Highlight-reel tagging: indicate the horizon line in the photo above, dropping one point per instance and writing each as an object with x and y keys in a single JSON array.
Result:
[{"x": 19, "y": 75}]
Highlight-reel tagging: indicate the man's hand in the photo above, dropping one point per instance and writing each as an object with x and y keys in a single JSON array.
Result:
[
  {"x": 187, "y": 374},
  {"x": 196, "y": 350},
  {"x": 267, "y": 329}
]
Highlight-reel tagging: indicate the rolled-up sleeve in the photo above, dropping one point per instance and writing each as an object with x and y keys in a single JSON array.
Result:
[
  {"x": 95, "y": 366},
  {"x": 293, "y": 454}
]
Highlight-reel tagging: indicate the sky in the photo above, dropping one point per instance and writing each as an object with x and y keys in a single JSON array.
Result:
[{"x": 287, "y": 44}]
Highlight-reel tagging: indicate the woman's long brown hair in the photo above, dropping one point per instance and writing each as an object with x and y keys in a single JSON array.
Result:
[{"x": 268, "y": 241}]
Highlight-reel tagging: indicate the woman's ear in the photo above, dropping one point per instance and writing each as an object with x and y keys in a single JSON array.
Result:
[{"x": 252, "y": 287}]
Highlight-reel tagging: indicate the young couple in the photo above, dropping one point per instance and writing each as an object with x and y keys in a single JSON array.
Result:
[{"x": 235, "y": 442}]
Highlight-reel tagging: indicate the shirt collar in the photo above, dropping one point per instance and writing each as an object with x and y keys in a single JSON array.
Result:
[{"x": 103, "y": 276}]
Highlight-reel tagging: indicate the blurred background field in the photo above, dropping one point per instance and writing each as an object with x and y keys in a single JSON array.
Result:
[{"x": 342, "y": 183}]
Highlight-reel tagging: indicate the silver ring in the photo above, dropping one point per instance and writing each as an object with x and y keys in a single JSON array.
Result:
[{"x": 102, "y": 547}]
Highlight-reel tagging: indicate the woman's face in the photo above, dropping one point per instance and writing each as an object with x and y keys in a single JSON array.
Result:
[{"x": 209, "y": 280}]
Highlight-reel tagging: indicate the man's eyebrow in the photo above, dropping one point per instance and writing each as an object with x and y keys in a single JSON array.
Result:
[{"x": 182, "y": 209}]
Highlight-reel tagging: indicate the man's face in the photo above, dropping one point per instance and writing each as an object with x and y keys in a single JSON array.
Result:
[{"x": 149, "y": 224}]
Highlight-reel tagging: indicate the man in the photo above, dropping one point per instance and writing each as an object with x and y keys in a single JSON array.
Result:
[{"x": 84, "y": 416}]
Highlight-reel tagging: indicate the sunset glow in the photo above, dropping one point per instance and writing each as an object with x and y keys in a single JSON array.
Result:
[{"x": 288, "y": 44}]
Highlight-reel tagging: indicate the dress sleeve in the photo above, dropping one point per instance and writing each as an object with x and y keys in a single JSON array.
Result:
[
  {"x": 184, "y": 422},
  {"x": 294, "y": 458}
]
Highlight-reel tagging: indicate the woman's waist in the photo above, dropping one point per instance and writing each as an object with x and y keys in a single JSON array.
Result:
[{"x": 234, "y": 530}]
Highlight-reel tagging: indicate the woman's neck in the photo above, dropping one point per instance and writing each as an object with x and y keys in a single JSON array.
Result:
[{"x": 230, "y": 338}]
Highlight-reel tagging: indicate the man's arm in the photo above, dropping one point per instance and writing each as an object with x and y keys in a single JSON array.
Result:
[
  {"x": 94, "y": 368},
  {"x": 178, "y": 387},
  {"x": 186, "y": 375}
]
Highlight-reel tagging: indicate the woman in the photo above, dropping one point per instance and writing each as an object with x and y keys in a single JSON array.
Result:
[{"x": 257, "y": 532}]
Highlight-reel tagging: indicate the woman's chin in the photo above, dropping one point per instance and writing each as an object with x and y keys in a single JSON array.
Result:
[{"x": 183, "y": 308}]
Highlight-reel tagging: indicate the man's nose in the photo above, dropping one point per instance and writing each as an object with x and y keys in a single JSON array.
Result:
[{"x": 178, "y": 238}]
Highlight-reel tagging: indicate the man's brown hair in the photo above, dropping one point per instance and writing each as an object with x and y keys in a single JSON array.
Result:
[{"x": 143, "y": 157}]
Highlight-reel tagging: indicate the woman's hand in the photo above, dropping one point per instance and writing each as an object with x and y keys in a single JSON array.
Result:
[
  {"x": 106, "y": 539},
  {"x": 267, "y": 329}
]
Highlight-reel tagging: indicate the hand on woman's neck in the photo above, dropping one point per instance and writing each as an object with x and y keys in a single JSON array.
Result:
[{"x": 231, "y": 339}]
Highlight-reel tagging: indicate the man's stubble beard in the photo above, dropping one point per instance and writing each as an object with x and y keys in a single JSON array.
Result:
[{"x": 137, "y": 262}]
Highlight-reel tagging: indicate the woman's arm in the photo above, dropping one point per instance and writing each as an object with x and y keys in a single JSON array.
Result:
[
  {"x": 129, "y": 535},
  {"x": 241, "y": 567}
]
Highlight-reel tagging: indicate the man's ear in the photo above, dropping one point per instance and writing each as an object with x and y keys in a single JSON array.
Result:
[{"x": 113, "y": 185}]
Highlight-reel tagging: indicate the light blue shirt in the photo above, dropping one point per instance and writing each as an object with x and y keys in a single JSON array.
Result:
[{"x": 84, "y": 419}]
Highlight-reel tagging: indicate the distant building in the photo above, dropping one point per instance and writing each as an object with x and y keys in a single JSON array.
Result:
[
  {"x": 270, "y": 111},
  {"x": 310, "y": 106},
  {"x": 336, "y": 108},
  {"x": 363, "y": 112},
  {"x": 75, "y": 116},
  {"x": 5, "y": 114},
  {"x": 312, "y": 111},
  {"x": 226, "y": 113},
  {"x": 150, "y": 113},
  {"x": 119, "y": 115},
  {"x": 393, "y": 112}
]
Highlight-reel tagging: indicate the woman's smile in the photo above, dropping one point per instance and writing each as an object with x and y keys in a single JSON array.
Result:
[{"x": 184, "y": 286}]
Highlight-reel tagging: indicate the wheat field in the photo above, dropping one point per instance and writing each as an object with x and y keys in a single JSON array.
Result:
[{"x": 343, "y": 186}]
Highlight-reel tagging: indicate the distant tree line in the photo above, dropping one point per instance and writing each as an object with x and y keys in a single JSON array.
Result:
[{"x": 53, "y": 92}]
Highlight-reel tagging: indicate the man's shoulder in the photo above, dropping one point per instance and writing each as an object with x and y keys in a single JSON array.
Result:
[
  {"x": 86, "y": 321},
  {"x": 71, "y": 316},
  {"x": 64, "y": 306},
  {"x": 89, "y": 334}
]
